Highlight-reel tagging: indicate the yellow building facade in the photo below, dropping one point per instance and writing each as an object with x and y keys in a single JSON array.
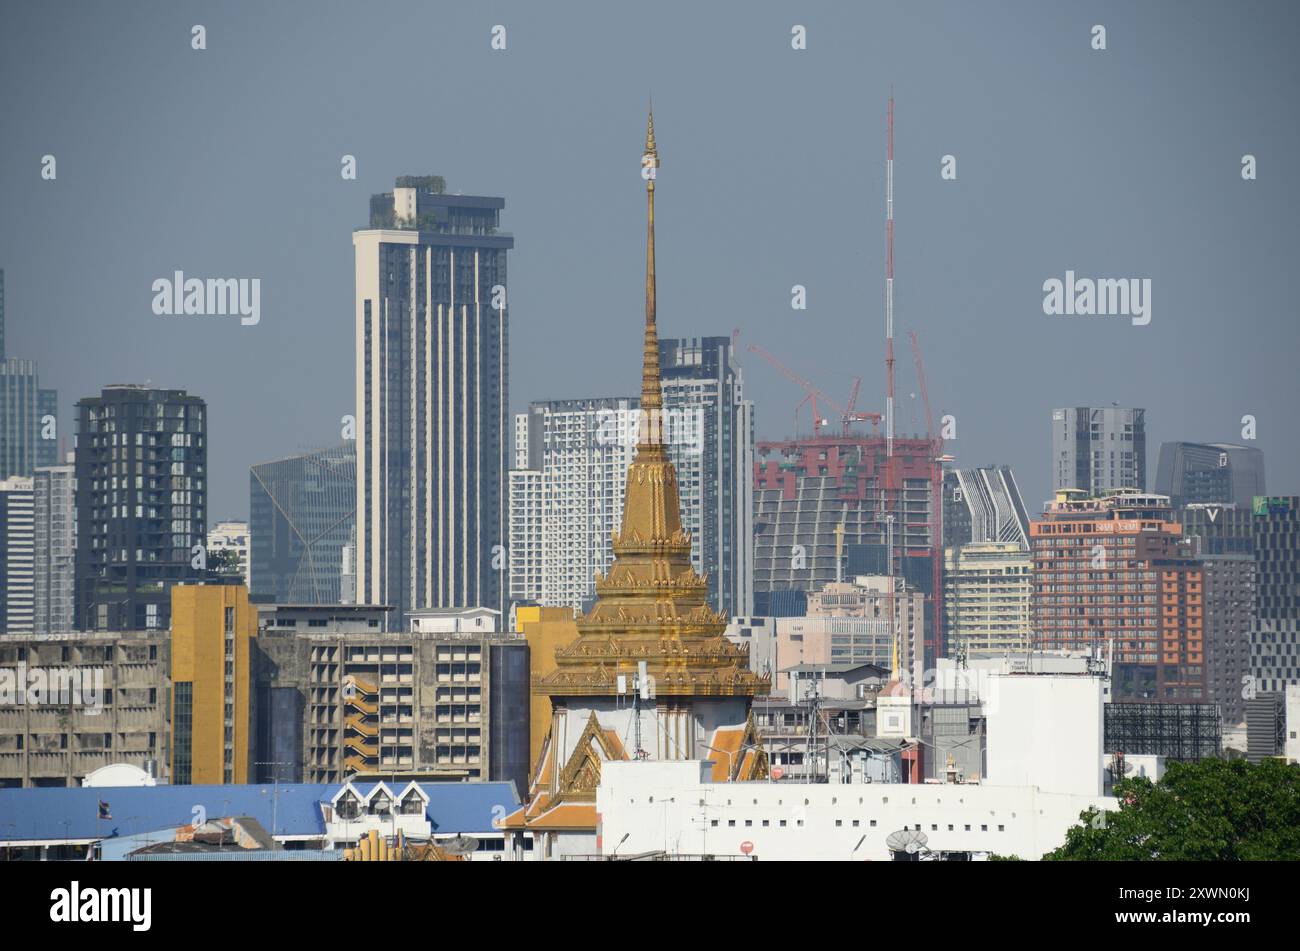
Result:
[
  {"x": 213, "y": 629},
  {"x": 545, "y": 629}
]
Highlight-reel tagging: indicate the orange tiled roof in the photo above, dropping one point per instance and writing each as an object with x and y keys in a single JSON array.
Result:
[
  {"x": 747, "y": 765},
  {"x": 523, "y": 816},
  {"x": 726, "y": 740},
  {"x": 616, "y": 748},
  {"x": 567, "y": 815},
  {"x": 546, "y": 768},
  {"x": 515, "y": 820}
]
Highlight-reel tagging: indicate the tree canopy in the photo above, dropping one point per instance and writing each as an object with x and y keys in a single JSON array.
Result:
[{"x": 1210, "y": 811}]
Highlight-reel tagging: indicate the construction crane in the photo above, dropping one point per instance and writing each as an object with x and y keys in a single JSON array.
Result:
[
  {"x": 851, "y": 415},
  {"x": 853, "y": 395},
  {"x": 925, "y": 394},
  {"x": 812, "y": 394},
  {"x": 935, "y": 438}
]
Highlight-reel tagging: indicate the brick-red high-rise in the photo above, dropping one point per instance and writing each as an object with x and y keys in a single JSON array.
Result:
[{"x": 1112, "y": 572}]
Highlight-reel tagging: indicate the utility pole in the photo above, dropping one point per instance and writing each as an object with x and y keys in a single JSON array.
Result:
[{"x": 275, "y": 795}]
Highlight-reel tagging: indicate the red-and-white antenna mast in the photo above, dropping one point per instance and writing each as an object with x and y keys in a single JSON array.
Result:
[
  {"x": 890, "y": 481},
  {"x": 889, "y": 284}
]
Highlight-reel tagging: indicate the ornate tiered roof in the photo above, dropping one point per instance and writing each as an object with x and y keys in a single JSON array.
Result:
[{"x": 652, "y": 606}]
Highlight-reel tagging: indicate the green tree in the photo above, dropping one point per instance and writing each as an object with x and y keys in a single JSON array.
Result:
[
  {"x": 1211, "y": 811},
  {"x": 223, "y": 561}
]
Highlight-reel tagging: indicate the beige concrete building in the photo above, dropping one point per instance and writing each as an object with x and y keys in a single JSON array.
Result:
[
  {"x": 342, "y": 698},
  {"x": 849, "y": 623},
  {"x": 987, "y": 591},
  {"x": 73, "y": 703},
  {"x": 419, "y": 701}
]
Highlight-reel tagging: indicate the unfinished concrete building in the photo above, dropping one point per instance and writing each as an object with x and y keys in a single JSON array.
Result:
[
  {"x": 832, "y": 507},
  {"x": 73, "y": 703}
]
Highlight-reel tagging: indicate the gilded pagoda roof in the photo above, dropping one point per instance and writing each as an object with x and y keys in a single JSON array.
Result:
[{"x": 652, "y": 605}]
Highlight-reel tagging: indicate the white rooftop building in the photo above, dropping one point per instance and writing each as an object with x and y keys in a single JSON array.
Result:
[
  {"x": 671, "y": 807},
  {"x": 120, "y": 774},
  {"x": 231, "y": 536},
  {"x": 1045, "y": 730},
  {"x": 454, "y": 621},
  {"x": 1045, "y": 764}
]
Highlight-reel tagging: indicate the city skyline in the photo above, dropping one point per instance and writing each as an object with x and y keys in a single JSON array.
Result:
[
  {"x": 925, "y": 518},
  {"x": 976, "y": 303}
]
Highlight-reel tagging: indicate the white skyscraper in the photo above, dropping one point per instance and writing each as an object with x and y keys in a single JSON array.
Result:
[
  {"x": 55, "y": 548},
  {"x": 571, "y": 459},
  {"x": 566, "y": 504},
  {"x": 432, "y": 422},
  {"x": 17, "y": 557},
  {"x": 525, "y": 534}
]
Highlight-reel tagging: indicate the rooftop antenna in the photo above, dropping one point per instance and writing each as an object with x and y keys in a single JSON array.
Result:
[
  {"x": 642, "y": 689},
  {"x": 889, "y": 281},
  {"x": 907, "y": 841},
  {"x": 890, "y": 481}
]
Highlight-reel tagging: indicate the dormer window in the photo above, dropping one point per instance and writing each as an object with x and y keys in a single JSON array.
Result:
[
  {"x": 348, "y": 806},
  {"x": 412, "y": 805}
]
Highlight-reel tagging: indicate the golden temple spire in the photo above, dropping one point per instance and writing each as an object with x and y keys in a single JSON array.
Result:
[
  {"x": 651, "y": 388},
  {"x": 652, "y": 606},
  {"x": 650, "y": 131}
]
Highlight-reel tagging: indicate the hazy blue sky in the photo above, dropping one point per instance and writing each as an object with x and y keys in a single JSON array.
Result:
[{"x": 225, "y": 163}]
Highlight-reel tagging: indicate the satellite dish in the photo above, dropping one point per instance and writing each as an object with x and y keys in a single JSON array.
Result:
[
  {"x": 910, "y": 841},
  {"x": 459, "y": 845}
]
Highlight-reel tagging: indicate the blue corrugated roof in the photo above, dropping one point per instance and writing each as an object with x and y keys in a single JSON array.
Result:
[
  {"x": 52, "y": 814},
  {"x": 250, "y": 855},
  {"x": 469, "y": 807},
  {"x": 73, "y": 812}
]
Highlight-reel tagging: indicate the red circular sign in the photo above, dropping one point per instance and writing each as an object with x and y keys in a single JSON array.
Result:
[
  {"x": 777, "y": 772},
  {"x": 746, "y": 847}
]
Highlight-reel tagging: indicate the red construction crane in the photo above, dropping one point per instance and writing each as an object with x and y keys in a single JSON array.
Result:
[
  {"x": 850, "y": 416},
  {"x": 925, "y": 394},
  {"x": 936, "y": 438},
  {"x": 814, "y": 395},
  {"x": 811, "y": 392}
]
